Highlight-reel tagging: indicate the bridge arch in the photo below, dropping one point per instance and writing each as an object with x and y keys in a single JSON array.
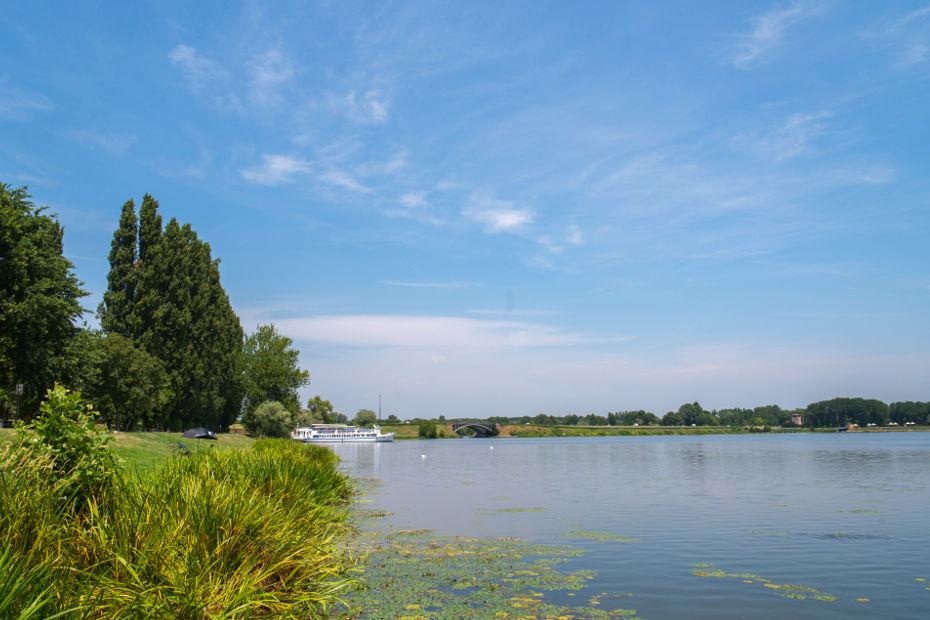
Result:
[{"x": 482, "y": 429}]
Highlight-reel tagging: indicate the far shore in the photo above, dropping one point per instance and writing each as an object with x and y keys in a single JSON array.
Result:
[{"x": 410, "y": 431}]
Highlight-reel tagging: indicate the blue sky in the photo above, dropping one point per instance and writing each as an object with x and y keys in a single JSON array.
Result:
[{"x": 507, "y": 208}]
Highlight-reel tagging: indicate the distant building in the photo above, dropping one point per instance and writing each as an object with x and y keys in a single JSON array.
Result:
[{"x": 796, "y": 419}]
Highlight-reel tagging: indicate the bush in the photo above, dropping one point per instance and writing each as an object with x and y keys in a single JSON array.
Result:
[
  {"x": 78, "y": 452},
  {"x": 427, "y": 430},
  {"x": 270, "y": 419}
]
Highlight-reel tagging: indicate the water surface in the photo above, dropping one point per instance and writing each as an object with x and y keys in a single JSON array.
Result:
[{"x": 845, "y": 515}]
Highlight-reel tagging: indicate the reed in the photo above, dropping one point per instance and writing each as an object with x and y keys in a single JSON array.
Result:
[{"x": 218, "y": 534}]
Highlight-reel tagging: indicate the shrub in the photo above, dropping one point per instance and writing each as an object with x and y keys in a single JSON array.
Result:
[
  {"x": 269, "y": 419},
  {"x": 78, "y": 452},
  {"x": 427, "y": 430}
]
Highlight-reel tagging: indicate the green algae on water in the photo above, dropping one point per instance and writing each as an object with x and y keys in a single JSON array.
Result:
[
  {"x": 599, "y": 535},
  {"x": 787, "y": 590},
  {"x": 417, "y": 574}
]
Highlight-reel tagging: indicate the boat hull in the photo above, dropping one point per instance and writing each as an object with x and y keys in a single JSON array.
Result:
[{"x": 380, "y": 439}]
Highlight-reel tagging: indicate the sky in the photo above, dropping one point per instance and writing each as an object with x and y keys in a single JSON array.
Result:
[{"x": 486, "y": 208}]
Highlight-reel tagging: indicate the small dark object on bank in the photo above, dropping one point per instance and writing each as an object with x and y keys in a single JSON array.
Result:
[
  {"x": 182, "y": 449},
  {"x": 199, "y": 433}
]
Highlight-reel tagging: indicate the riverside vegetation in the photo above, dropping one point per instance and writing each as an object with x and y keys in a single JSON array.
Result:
[{"x": 246, "y": 531}]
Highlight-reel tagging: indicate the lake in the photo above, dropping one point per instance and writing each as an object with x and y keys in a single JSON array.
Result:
[{"x": 748, "y": 526}]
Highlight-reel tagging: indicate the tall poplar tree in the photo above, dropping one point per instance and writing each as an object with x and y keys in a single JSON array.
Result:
[
  {"x": 182, "y": 316},
  {"x": 117, "y": 309}
]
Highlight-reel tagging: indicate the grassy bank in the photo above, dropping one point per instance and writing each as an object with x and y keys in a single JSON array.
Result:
[{"x": 238, "y": 528}]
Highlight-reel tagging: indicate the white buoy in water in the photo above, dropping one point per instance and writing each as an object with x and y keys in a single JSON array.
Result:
[
  {"x": 492, "y": 447},
  {"x": 422, "y": 456}
]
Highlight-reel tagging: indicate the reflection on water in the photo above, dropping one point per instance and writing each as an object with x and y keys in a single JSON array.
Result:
[{"x": 846, "y": 514}]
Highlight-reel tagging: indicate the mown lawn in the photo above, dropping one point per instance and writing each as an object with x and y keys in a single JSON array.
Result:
[{"x": 143, "y": 452}]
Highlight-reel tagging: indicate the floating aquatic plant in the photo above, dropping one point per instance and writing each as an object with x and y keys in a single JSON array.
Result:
[
  {"x": 599, "y": 535},
  {"x": 787, "y": 590},
  {"x": 418, "y": 574}
]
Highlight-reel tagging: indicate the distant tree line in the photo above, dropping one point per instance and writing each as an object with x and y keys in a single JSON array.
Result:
[{"x": 835, "y": 412}]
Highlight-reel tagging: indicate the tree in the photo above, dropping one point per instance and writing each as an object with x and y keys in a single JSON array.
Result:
[
  {"x": 130, "y": 387},
  {"x": 365, "y": 417},
  {"x": 427, "y": 430},
  {"x": 178, "y": 313},
  {"x": 321, "y": 410},
  {"x": 39, "y": 305},
  {"x": 117, "y": 308},
  {"x": 269, "y": 419},
  {"x": 270, "y": 369},
  {"x": 393, "y": 419}
]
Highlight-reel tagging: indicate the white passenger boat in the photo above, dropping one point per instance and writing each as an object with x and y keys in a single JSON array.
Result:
[{"x": 328, "y": 433}]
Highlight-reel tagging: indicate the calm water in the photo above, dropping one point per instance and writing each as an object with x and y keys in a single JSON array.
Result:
[{"x": 847, "y": 514}]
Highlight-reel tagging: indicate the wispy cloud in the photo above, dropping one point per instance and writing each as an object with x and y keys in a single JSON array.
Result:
[
  {"x": 276, "y": 170},
  {"x": 344, "y": 180},
  {"x": 206, "y": 78},
  {"x": 18, "y": 104},
  {"x": 574, "y": 236},
  {"x": 112, "y": 142},
  {"x": 790, "y": 138},
  {"x": 419, "y": 331},
  {"x": 906, "y": 36},
  {"x": 368, "y": 107},
  {"x": 498, "y": 215},
  {"x": 457, "y": 284},
  {"x": 268, "y": 71},
  {"x": 767, "y": 32},
  {"x": 413, "y": 200}
]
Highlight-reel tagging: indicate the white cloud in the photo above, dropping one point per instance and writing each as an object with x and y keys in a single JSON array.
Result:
[
  {"x": 276, "y": 170},
  {"x": 343, "y": 179},
  {"x": 498, "y": 215},
  {"x": 369, "y": 107},
  {"x": 111, "y": 142},
  {"x": 419, "y": 331},
  {"x": 413, "y": 200},
  {"x": 17, "y": 104},
  {"x": 793, "y": 137},
  {"x": 268, "y": 71},
  {"x": 574, "y": 236},
  {"x": 206, "y": 78},
  {"x": 768, "y": 30},
  {"x": 906, "y": 37}
]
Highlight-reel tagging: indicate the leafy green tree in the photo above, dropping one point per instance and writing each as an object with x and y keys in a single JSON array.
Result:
[
  {"x": 130, "y": 387},
  {"x": 117, "y": 310},
  {"x": 673, "y": 418},
  {"x": 321, "y": 410},
  {"x": 39, "y": 305},
  {"x": 393, "y": 419},
  {"x": 837, "y": 412},
  {"x": 909, "y": 411},
  {"x": 180, "y": 314},
  {"x": 570, "y": 420},
  {"x": 365, "y": 417},
  {"x": 304, "y": 418},
  {"x": 427, "y": 430},
  {"x": 271, "y": 370},
  {"x": 269, "y": 419}
]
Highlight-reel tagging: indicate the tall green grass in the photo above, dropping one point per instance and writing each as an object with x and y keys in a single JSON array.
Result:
[{"x": 219, "y": 534}]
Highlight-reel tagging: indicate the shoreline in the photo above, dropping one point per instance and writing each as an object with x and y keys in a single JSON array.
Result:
[{"x": 533, "y": 431}]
